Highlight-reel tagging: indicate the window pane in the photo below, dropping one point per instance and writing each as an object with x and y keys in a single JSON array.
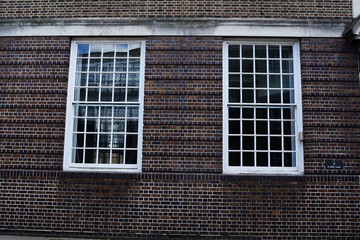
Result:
[
  {"x": 275, "y": 127},
  {"x": 119, "y": 94},
  {"x": 133, "y": 95},
  {"x": 105, "y": 140},
  {"x": 120, "y": 79},
  {"x": 289, "y": 159},
  {"x": 95, "y": 65},
  {"x": 131, "y": 141},
  {"x": 121, "y": 50},
  {"x": 275, "y": 143},
  {"x": 93, "y": 111},
  {"x": 260, "y": 66},
  {"x": 234, "y": 159},
  {"x": 286, "y": 52},
  {"x": 133, "y": 111},
  {"x": 95, "y": 50},
  {"x": 275, "y": 96},
  {"x": 261, "y": 127},
  {"x": 82, "y": 64},
  {"x": 234, "y": 112},
  {"x": 77, "y": 156},
  {"x": 80, "y": 94},
  {"x": 119, "y": 111},
  {"x": 92, "y": 125},
  {"x": 287, "y": 66},
  {"x": 247, "y": 80},
  {"x": 248, "y": 96},
  {"x": 90, "y": 156},
  {"x": 261, "y": 81},
  {"x": 234, "y": 80},
  {"x": 261, "y": 96},
  {"x": 289, "y": 113},
  {"x": 248, "y": 159},
  {"x": 274, "y": 66},
  {"x": 134, "y": 50},
  {"x": 289, "y": 128},
  {"x": 234, "y": 127},
  {"x": 234, "y": 51},
  {"x": 107, "y": 79},
  {"x": 78, "y": 140},
  {"x": 274, "y": 52},
  {"x": 108, "y": 65},
  {"x": 261, "y": 143},
  {"x": 275, "y": 113},
  {"x": 93, "y": 94},
  {"x": 130, "y": 156},
  {"x": 247, "y": 51},
  {"x": 83, "y": 50},
  {"x": 119, "y": 125},
  {"x": 262, "y": 159},
  {"x": 260, "y": 51},
  {"x": 248, "y": 143},
  {"x": 80, "y": 79},
  {"x": 91, "y": 140},
  {"x": 234, "y": 65},
  {"x": 288, "y": 96},
  {"x": 106, "y": 111},
  {"x": 234, "y": 95},
  {"x": 104, "y": 156},
  {"x": 275, "y": 159},
  {"x": 247, "y": 66},
  {"x": 134, "y": 65},
  {"x": 133, "y": 79},
  {"x": 261, "y": 113},
  {"x": 121, "y": 65},
  {"x": 94, "y": 79},
  {"x": 274, "y": 81},
  {"x": 118, "y": 141},
  {"x": 106, "y": 94},
  {"x": 117, "y": 157},
  {"x": 234, "y": 142},
  {"x": 105, "y": 125},
  {"x": 289, "y": 143},
  {"x": 248, "y": 127},
  {"x": 132, "y": 125},
  {"x": 109, "y": 50},
  {"x": 288, "y": 81},
  {"x": 79, "y": 124},
  {"x": 248, "y": 113}
]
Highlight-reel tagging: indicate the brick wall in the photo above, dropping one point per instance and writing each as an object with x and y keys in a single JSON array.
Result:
[
  {"x": 331, "y": 104},
  {"x": 295, "y": 9},
  {"x": 181, "y": 191}
]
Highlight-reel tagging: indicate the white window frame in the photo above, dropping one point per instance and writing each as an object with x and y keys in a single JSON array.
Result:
[
  {"x": 67, "y": 164},
  {"x": 299, "y": 169}
]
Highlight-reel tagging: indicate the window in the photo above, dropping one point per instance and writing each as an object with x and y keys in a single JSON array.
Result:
[
  {"x": 262, "y": 107},
  {"x": 104, "y": 109}
]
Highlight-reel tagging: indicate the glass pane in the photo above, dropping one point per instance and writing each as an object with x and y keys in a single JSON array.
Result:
[
  {"x": 248, "y": 113},
  {"x": 80, "y": 79},
  {"x": 261, "y": 143},
  {"x": 117, "y": 157},
  {"x": 274, "y": 81},
  {"x": 105, "y": 140},
  {"x": 105, "y": 125},
  {"x": 92, "y": 125},
  {"x": 260, "y": 66},
  {"x": 107, "y": 79},
  {"x": 234, "y": 51},
  {"x": 289, "y": 159},
  {"x": 275, "y": 127},
  {"x": 119, "y": 111},
  {"x": 131, "y": 141},
  {"x": 133, "y": 111},
  {"x": 93, "y": 94},
  {"x": 274, "y": 66},
  {"x": 106, "y": 111},
  {"x": 275, "y": 143},
  {"x": 274, "y": 52},
  {"x": 132, "y": 125},
  {"x": 79, "y": 125},
  {"x": 275, "y": 159},
  {"x": 130, "y": 157},
  {"x": 95, "y": 65},
  {"x": 234, "y": 95},
  {"x": 234, "y": 159},
  {"x": 289, "y": 143},
  {"x": 77, "y": 156},
  {"x": 247, "y": 51},
  {"x": 234, "y": 112},
  {"x": 260, "y": 51},
  {"x": 94, "y": 79},
  {"x": 109, "y": 50},
  {"x": 261, "y": 127},
  {"x": 121, "y": 65},
  {"x": 120, "y": 79},
  {"x": 234, "y": 142},
  {"x": 93, "y": 111},
  {"x": 261, "y": 96},
  {"x": 234, "y": 65},
  {"x": 106, "y": 94},
  {"x": 133, "y": 79},
  {"x": 288, "y": 81},
  {"x": 248, "y": 96},
  {"x": 261, "y": 81},
  {"x": 104, "y": 156},
  {"x": 289, "y": 113},
  {"x": 261, "y": 113},
  {"x": 261, "y": 159},
  {"x": 248, "y": 159},
  {"x": 91, "y": 140},
  {"x": 80, "y": 94},
  {"x": 248, "y": 143},
  {"x": 287, "y": 66},
  {"x": 133, "y": 94},
  {"x": 247, "y": 66},
  {"x": 288, "y": 96},
  {"x": 247, "y": 80},
  {"x": 234, "y": 127},
  {"x": 289, "y": 128},
  {"x": 121, "y": 50},
  {"x": 80, "y": 110},
  {"x": 118, "y": 141},
  {"x": 134, "y": 50},
  {"x": 78, "y": 140},
  {"x": 248, "y": 127},
  {"x": 90, "y": 156},
  {"x": 234, "y": 80},
  {"x": 81, "y": 64},
  {"x": 275, "y": 96},
  {"x": 95, "y": 50},
  {"x": 286, "y": 52},
  {"x": 275, "y": 113},
  {"x": 119, "y": 94},
  {"x": 119, "y": 125},
  {"x": 134, "y": 65},
  {"x": 108, "y": 65},
  {"x": 83, "y": 50}
]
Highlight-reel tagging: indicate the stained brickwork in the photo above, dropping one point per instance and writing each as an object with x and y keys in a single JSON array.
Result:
[
  {"x": 33, "y": 80},
  {"x": 182, "y": 191},
  {"x": 295, "y": 9},
  {"x": 331, "y": 104}
]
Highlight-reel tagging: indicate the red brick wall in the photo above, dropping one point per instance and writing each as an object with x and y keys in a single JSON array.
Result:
[
  {"x": 331, "y": 104},
  {"x": 181, "y": 191},
  {"x": 295, "y": 9}
]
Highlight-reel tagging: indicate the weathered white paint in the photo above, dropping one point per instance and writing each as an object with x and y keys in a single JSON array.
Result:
[
  {"x": 136, "y": 28},
  {"x": 356, "y": 8}
]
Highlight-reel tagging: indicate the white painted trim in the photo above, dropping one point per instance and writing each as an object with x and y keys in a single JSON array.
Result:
[
  {"x": 189, "y": 27},
  {"x": 299, "y": 169},
  {"x": 67, "y": 165},
  {"x": 356, "y": 8}
]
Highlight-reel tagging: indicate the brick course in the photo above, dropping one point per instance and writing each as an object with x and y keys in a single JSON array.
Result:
[{"x": 295, "y": 9}]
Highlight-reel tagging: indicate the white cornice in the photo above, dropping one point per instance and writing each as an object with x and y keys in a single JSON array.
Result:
[{"x": 174, "y": 27}]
